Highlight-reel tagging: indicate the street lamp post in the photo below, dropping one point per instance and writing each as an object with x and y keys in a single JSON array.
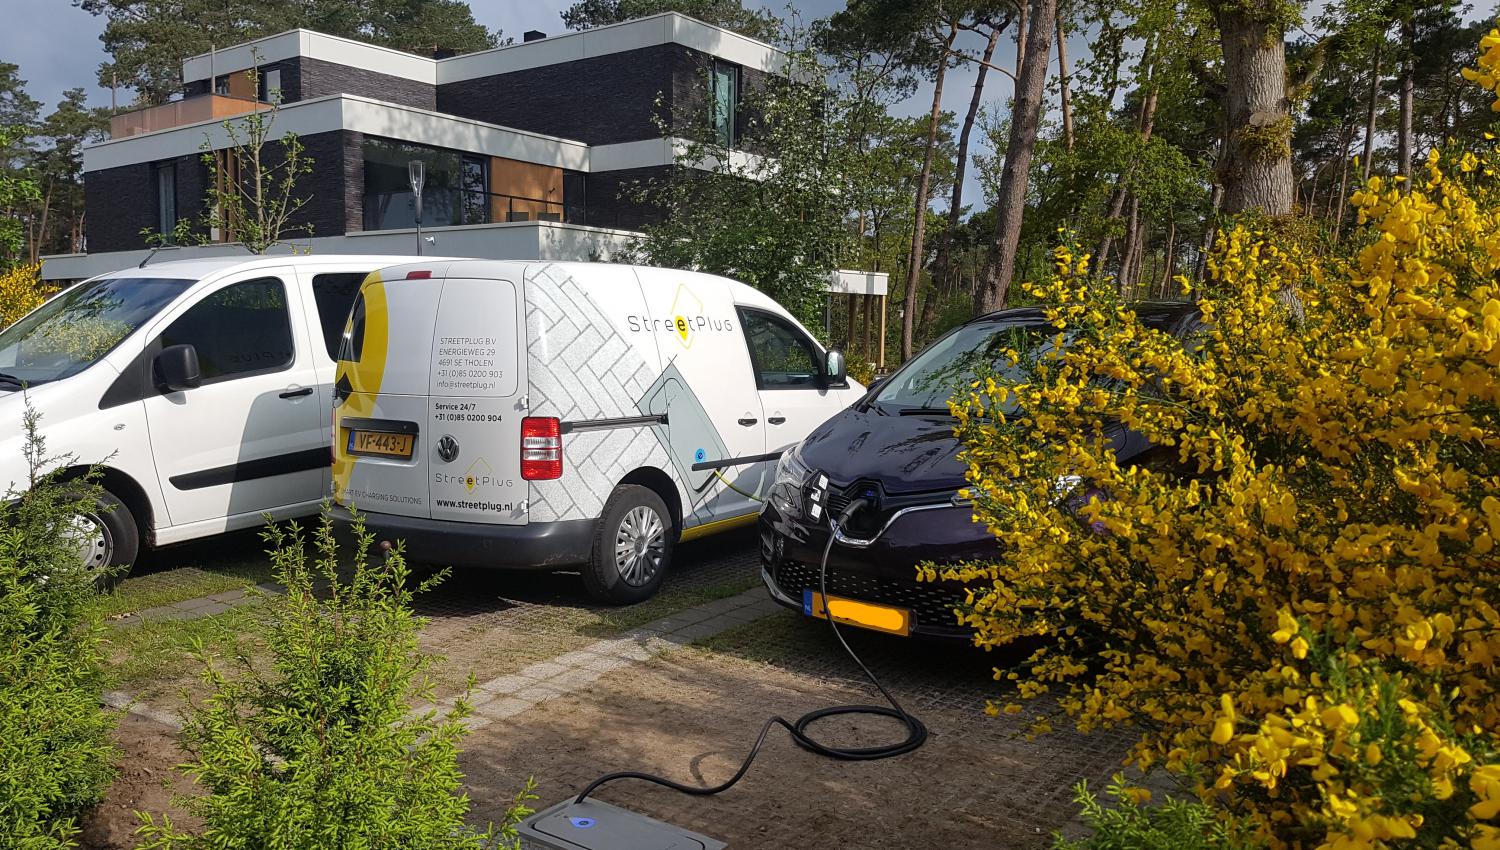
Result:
[{"x": 417, "y": 175}]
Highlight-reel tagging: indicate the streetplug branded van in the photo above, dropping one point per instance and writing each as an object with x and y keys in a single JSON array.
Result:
[
  {"x": 549, "y": 415},
  {"x": 201, "y": 388}
]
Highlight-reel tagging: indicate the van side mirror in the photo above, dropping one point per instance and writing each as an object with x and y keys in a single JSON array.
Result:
[
  {"x": 831, "y": 373},
  {"x": 176, "y": 368}
]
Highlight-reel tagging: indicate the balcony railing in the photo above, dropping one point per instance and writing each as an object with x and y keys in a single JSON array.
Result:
[
  {"x": 445, "y": 207},
  {"x": 204, "y": 107}
]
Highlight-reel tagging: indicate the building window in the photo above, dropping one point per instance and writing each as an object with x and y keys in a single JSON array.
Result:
[
  {"x": 166, "y": 198},
  {"x": 458, "y": 188},
  {"x": 723, "y": 101},
  {"x": 270, "y": 87}
]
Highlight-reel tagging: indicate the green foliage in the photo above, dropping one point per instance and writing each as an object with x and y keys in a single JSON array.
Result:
[
  {"x": 1132, "y": 825},
  {"x": 17, "y": 191},
  {"x": 321, "y": 749},
  {"x": 729, "y": 14},
  {"x": 253, "y": 194},
  {"x": 55, "y": 753},
  {"x": 770, "y": 212},
  {"x": 147, "y": 40}
]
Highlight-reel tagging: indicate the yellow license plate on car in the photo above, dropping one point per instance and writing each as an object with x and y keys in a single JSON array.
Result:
[
  {"x": 381, "y": 443},
  {"x": 867, "y": 615}
]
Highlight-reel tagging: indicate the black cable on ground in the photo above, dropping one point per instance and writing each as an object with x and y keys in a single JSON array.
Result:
[{"x": 916, "y": 731}]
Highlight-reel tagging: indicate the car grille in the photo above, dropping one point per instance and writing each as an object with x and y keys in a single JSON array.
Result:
[{"x": 931, "y": 605}]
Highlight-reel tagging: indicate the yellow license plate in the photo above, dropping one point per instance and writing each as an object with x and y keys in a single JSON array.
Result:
[
  {"x": 868, "y": 615},
  {"x": 380, "y": 443}
]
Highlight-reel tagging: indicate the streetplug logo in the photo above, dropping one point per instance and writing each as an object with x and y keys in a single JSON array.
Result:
[
  {"x": 686, "y": 319},
  {"x": 477, "y": 471}
]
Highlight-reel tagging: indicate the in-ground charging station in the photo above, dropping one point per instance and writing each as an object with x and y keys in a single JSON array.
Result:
[
  {"x": 582, "y": 823},
  {"x": 595, "y": 825}
]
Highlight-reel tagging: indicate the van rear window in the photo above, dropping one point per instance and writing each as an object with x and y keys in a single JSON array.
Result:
[
  {"x": 334, "y": 293},
  {"x": 352, "y": 343}
]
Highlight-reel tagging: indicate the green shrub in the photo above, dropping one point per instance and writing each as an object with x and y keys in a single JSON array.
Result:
[
  {"x": 1133, "y": 825},
  {"x": 318, "y": 749},
  {"x": 55, "y": 752}
]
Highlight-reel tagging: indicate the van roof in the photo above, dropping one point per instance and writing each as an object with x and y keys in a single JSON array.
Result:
[{"x": 199, "y": 268}]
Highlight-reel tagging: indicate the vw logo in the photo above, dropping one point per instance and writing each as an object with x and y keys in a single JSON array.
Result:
[{"x": 447, "y": 448}]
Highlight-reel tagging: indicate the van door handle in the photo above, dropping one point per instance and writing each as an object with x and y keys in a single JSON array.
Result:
[
  {"x": 777, "y": 420},
  {"x": 748, "y": 421},
  {"x": 299, "y": 393}
]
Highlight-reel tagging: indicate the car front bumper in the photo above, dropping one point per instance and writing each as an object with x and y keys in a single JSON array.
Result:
[
  {"x": 884, "y": 571},
  {"x": 534, "y": 546}
]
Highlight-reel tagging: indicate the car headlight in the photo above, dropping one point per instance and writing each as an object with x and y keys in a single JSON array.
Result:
[{"x": 797, "y": 489}]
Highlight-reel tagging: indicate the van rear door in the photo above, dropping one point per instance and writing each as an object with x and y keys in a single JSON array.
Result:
[
  {"x": 380, "y": 423},
  {"x": 476, "y": 390}
]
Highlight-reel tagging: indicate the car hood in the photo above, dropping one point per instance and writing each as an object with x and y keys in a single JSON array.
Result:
[{"x": 905, "y": 454}]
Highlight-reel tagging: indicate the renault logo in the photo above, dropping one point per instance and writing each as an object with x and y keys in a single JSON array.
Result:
[{"x": 447, "y": 448}]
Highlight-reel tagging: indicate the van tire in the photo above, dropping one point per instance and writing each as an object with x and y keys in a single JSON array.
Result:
[
  {"x": 115, "y": 542},
  {"x": 631, "y": 514}
]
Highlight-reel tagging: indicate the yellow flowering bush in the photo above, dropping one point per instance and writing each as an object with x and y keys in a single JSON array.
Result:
[
  {"x": 21, "y": 291},
  {"x": 1296, "y": 594}
]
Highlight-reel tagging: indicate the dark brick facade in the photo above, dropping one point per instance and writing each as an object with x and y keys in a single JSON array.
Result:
[
  {"x": 601, "y": 101},
  {"x": 304, "y": 78},
  {"x": 609, "y": 198},
  {"x": 318, "y": 78},
  {"x": 122, "y": 201}
]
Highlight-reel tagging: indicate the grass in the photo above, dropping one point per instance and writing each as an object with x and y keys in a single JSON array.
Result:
[
  {"x": 156, "y": 657},
  {"x": 181, "y": 584}
]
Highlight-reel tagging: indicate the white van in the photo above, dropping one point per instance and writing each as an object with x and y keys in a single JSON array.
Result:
[
  {"x": 201, "y": 387},
  {"x": 545, "y": 415}
]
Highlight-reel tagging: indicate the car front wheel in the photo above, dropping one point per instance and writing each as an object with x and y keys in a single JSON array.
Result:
[
  {"x": 632, "y": 547},
  {"x": 106, "y": 536}
]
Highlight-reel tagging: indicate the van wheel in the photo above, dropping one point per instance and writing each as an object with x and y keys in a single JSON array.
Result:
[
  {"x": 632, "y": 547},
  {"x": 107, "y": 539}
]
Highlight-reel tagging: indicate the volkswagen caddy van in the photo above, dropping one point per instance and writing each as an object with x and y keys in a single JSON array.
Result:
[
  {"x": 200, "y": 388},
  {"x": 568, "y": 415}
]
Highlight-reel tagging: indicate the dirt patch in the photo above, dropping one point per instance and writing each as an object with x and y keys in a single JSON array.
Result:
[
  {"x": 147, "y": 782},
  {"x": 691, "y": 716}
]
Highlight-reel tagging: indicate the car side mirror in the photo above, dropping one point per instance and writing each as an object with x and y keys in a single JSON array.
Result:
[
  {"x": 177, "y": 368},
  {"x": 831, "y": 372}
]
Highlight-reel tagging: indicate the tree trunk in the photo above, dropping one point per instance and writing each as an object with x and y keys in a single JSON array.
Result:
[
  {"x": 942, "y": 272},
  {"x": 1408, "y": 84},
  {"x": 1343, "y": 198},
  {"x": 1215, "y": 203},
  {"x": 1062, "y": 74},
  {"x": 1022, "y": 22},
  {"x": 1010, "y": 203},
  {"x": 1257, "y": 167},
  {"x": 1169, "y": 257},
  {"x": 919, "y": 221},
  {"x": 1132, "y": 250},
  {"x": 1145, "y": 122},
  {"x": 1370, "y": 112}
]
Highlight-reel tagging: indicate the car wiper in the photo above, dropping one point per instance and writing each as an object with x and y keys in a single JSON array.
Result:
[
  {"x": 11, "y": 379},
  {"x": 926, "y": 411}
]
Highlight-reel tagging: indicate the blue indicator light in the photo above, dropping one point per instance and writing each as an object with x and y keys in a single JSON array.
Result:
[
  {"x": 699, "y": 455},
  {"x": 582, "y": 823}
]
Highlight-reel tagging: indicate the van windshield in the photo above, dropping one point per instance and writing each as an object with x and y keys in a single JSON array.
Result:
[
  {"x": 73, "y": 330},
  {"x": 952, "y": 363}
]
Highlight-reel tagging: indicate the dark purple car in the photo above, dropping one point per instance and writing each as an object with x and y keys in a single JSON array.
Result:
[{"x": 895, "y": 450}]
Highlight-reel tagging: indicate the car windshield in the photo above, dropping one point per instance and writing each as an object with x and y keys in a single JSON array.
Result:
[
  {"x": 925, "y": 384},
  {"x": 73, "y": 330}
]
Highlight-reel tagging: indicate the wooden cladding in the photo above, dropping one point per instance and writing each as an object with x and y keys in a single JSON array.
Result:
[{"x": 524, "y": 191}]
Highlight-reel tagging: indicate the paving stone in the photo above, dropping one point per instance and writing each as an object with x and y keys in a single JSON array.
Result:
[
  {"x": 574, "y": 680},
  {"x": 504, "y": 685},
  {"x": 543, "y": 670},
  {"x": 537, "y": 693}
]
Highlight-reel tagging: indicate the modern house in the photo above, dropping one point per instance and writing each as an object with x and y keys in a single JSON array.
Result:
[{"x": 526, "y": 147}]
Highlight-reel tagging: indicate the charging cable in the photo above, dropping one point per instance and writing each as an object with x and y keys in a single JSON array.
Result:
[{"x": 916, "y": 731}]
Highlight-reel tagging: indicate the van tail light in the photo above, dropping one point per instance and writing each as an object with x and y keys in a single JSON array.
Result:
[
  {"x": 421, "y": 274},
  {"x": 541, "y": 448}
]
